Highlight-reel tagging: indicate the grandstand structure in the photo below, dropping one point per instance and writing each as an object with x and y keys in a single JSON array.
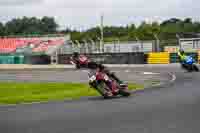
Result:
[
  {"x": 34, "y": 50},
  {"x": 189, "y": 41}
]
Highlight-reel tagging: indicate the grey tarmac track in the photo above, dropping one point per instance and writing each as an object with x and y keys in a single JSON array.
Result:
[
  {"x": 71, "y": 75},
  {"x": 171, "y": 109}
]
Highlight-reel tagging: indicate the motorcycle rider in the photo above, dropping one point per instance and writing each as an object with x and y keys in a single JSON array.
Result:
[
  {"x": 77, "y": 59},
  {"x": 182, "y": 58}
]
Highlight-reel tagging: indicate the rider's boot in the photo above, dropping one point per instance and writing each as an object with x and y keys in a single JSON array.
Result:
[{"x": 123, "y": 85}]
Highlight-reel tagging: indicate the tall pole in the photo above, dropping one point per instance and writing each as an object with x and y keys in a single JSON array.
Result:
[
  {"x": 72, "y": 46},
  {"x": 86, "y": 46},
  {"x": 93, "y": 48},
  {"x": 102, "y": 39},
  {"x": 79, "y": 45},
  {"x": 179, "y": 42},
  {"x": 98, "y": 47},
  {"x": 157, "y": 43}
]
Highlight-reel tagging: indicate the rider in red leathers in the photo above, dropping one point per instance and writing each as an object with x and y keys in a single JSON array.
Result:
[{"x": 82, "y": 60}]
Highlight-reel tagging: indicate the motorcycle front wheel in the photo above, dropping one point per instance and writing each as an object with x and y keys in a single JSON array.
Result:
[
  {"x": 102, "y": 89},
  {"x": 78, "y": 66}
]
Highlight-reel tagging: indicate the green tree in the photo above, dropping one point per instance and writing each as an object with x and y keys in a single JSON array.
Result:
[
  {"x": 155, "y": 27},
  {"x": 188, "y": 25},
  {"x": 188, "y": 20},
  {"x": 196, "y": 26},
  {"x": 145, "y": 32},
  {"x": 132, "y": 32},
  {"x": 48, "y": 24},
  {"x": 75, "y": 35},
  {"x": 12, "y": 27},
  {"x": 2, "y": 29},
  {"x": 33, "y": 25},
  {"x": 92, "y": 33},
  {"x": 171, "y": 21}
]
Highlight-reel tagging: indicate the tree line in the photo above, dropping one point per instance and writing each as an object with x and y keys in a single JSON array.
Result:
[
  {"x": 145, "y": 31},
  {"x": 29, "y": 26}
]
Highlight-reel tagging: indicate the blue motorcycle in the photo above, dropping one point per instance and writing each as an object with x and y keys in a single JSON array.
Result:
[{"x": 189, "y": 64}]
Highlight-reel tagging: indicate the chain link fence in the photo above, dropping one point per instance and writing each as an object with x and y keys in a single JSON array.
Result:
[{"x": 108, "y": 47}]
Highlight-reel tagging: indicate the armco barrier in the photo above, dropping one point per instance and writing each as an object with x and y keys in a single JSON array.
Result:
[
  {"x": 38, "y": 59},
  {"x": 109, "y": 58},
  {"x": 174, "y": 58},
  {"x": 158, "y": 58},
  {"x": 64, "y": 59}
]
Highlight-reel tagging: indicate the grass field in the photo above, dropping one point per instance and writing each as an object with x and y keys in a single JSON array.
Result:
[{"x": 14, "y": 93}]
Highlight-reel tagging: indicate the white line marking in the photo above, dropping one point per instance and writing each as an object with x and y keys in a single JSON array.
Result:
[
  {"x": 148, "y": 73},
  {"x": 85, "y": 71},
  {"x": 127, "y": 71},
  {"x": 173, "y": 77}
]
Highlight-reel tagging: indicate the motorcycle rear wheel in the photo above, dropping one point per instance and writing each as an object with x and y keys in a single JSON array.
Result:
[
  {"x": 124, "y": 93},
  {"x": 195, "y": 68},
  {"x": 78, "y": 66}
]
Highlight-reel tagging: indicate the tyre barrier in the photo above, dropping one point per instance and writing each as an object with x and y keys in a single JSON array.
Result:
[{"x": 158, "y": 58}]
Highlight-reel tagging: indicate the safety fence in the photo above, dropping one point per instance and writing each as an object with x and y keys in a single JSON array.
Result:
[{"x": 108, "y": 47}]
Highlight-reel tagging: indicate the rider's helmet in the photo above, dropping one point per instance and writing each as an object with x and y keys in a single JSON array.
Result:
[
  {"x": 79, "y": 58},
  {"x": 100, "y": 67},
  {"x": 182, "y": 51},
  {"x": 75, "y": 54},
  {"x": 74, "y": 58}
]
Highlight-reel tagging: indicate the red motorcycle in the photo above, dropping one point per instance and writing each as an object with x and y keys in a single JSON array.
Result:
[
  {"x": 81, "y": 62},
  {"x": 106, "y": 86}
]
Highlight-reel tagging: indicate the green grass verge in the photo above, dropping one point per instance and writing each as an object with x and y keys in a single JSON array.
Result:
[{"x": 14, "y": 93}]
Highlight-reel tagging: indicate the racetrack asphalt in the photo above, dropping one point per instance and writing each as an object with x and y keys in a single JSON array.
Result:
[
  {"x": 171, "y": 109},
  {"x": 81, "y": 76}
]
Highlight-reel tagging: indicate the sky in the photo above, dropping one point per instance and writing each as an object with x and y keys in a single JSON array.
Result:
[{"x": 83, "y": 14}]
